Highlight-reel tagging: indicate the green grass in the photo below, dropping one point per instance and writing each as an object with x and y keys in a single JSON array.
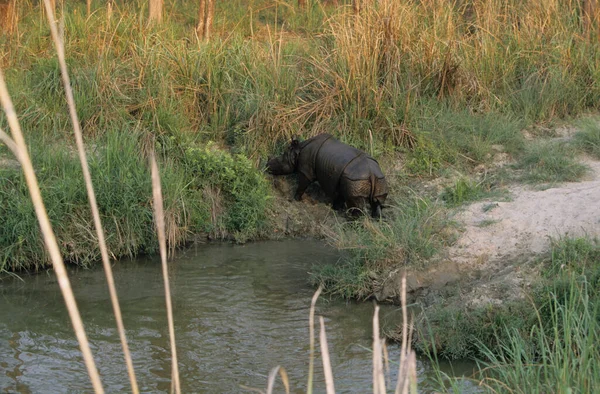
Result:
[
  {"x": 550, "y": 161},
  {"x": 121, "y": 181},
  {"x": 445, "y": 136},
  {"x": 487, "y": 223},
  {"x": 273, "y": 70},
  {"x": 549, "y": 329},
  {"x": 588, "y": 139},
  {"x": 465, "y": 190},
  {"x": 560, "y": 353},
  {"x": 416, "y": 229},
  {"x": 440, "y": 89}
]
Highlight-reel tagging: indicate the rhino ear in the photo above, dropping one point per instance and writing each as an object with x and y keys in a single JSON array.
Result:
[{"x": 295, "y": 141}]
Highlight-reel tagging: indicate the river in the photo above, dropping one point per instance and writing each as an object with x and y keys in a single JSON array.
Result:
[{"x": 240, "y": 310}]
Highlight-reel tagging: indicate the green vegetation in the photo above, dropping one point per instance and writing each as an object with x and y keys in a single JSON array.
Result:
[
  {"x": 549, "y": 161},
  {"x": 444, "y": 136},
  {"x": 444, "y": 84},
  {"x": 465, "y": 190},
  {"x": 416, "y": 229},
  {"x": 205, "y": 192},
  {"x": 546, "y": 335},
  {"x": 560, "y": 352},
  {"x": 588, "y": 139},
  {"x": 245, "y": 190}
]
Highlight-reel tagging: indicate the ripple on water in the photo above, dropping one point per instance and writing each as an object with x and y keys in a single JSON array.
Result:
[{"x": 239, "y": 311}]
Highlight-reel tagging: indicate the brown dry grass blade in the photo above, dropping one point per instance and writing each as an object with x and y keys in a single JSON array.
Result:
[
  {"x": 378, "y": 374},
  {"x": 60, "y": 49},
  {"x": 311, "y": 330},
  {"x": 22, "y": 155},
  {"x": 284, "y": 379},
  {"x": 160, "y": 228},
  {"x": 407, "y": 371},
  {"x": 326, "y": 360}
]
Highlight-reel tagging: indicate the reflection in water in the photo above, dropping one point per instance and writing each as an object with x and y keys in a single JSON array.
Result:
[{"x": 239, "y": 311}]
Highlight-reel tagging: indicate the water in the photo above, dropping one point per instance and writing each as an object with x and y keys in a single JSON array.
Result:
[{"x": 239, "y": 311}]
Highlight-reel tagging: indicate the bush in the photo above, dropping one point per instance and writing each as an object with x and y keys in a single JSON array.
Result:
[
  {"x": 415, "y": 230},
  {"x": 245, "y": 189}
]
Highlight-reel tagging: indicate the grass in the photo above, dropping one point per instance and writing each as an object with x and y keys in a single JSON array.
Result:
[
  {"x": 122, "y": 183},
  {"x": 465, "y": 190},
  {"x": 487, "y": 223},
  {"x": 560, "y": 354},
  {"x": 445, "y": 84},
  {"x": 415, "y": 231},
  {"x": 588, "y": 139},
  {"x": 548, "y": 162},
  {"x": 531, "y": 334}
]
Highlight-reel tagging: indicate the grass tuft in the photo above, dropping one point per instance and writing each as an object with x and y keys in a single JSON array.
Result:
[
  {"x": 588, "y": 139},
  {"x": 563, "y": 305},
  {"x": 415, "y": 231},
  {"x": 465, "y": 190},
  {"x": 550, "y": 161}
]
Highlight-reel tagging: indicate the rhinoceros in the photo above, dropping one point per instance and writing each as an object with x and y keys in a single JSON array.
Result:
[{"x": 346, "y": 174}]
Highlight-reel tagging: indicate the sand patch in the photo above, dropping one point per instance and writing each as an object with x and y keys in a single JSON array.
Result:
[
  {"x": 489, "y": 262},
  {"x": 497, "y": 231}
]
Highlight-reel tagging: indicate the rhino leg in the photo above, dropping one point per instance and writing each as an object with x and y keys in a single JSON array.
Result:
[
  {"x": 376, "y": 209},
  {"x": 338, "y": 202},
  {"x": 303, "y": 183},
  {"x": 355, "y": 205}
]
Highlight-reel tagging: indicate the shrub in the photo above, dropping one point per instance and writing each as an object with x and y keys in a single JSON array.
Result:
[{"x": 245, "y": 189}]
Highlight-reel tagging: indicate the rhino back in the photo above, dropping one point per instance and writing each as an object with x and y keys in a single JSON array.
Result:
[
  {"x": 362, "y": 168},
  {"x": 331, "y": 161},
  {"x": 308, "y": 155}
]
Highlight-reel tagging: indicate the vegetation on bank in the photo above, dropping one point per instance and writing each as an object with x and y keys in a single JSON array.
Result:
[
  {"x": 548, "y": 334},
  {"x": 560, "y": 352},
  {"x": 415, "y": 230},
  {"x": 446, "y": 84},
  {"x": 206, "y": 191}
]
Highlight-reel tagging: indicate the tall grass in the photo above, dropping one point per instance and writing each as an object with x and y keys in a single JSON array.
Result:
[
  {"x": 271, "y": 71},
  {"x": 416, "y": 229},
  {"x": 530, "y": 344},
  {"x": 561, "y": 354}
]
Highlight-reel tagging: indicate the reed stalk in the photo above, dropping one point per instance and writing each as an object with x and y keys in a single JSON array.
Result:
[
  {"x": 22, "y": 154},
  {"x": 329, "y": 384},
  {"x": 60, "y": 49},
  {"x": 160, "y": 228},
  {"x": 273, "y": 376},
  {"x": 311, "y": 333}
]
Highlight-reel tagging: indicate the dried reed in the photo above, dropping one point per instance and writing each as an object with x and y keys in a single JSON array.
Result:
[
  {"x": 19, "y": 148},
  {"x": 60, "y": 49},
  {"x": 160, "y": 228}
]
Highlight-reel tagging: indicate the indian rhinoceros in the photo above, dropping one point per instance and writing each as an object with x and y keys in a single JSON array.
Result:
[{"x": 346, "y": 174}]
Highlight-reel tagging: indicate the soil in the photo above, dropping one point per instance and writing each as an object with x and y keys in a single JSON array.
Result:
[
  {"x": 494, "y": 258},
  {"x": 311, "y": 217}
]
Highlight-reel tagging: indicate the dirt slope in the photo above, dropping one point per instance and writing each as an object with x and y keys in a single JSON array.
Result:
[
  {"x": 489, "y": 261},
  {"x": 501, "y": 230}
]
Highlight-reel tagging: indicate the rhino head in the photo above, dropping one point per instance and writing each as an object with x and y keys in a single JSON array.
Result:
[{"x": 286, "y": 163}]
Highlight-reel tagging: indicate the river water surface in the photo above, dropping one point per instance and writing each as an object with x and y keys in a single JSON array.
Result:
[{"x": 239, "y": 311}]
